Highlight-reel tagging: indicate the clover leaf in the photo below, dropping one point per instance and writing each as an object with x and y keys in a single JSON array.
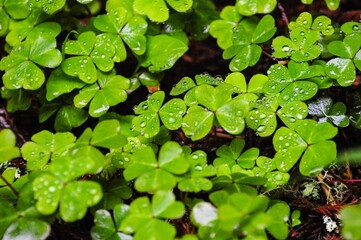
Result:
[
  {"x": 195, "y": 179},
  {"x": 311, "y": 142},
  {"x": 107, "y": 134},
  {"x": 59, "y": 83},
  {"x": 120, "y": 25},
  {"x": 232, "y": 154},
  {"x": 301, "y": 45},
  {"x": 162, "y": 51},
  {"x": 16, "y": 10},
  {"x": 245, "y": 51},
  {"x": 222, "y": 29},
  {"x": 29, "y": 228},
  {"x": 157, "y": 11},
  {"x": 172, "y": 112},
  {"x": 8, "y": 149},
  {"x": 350, "y": 216},
  {"x": 263, "y": 118},
  {"x": 280, "y": 213},
  {"x": 115, "y": 191},
  {"x": 50, "y": 7},
  {"x": 199, "y": 18},
  {"x": 69, "y": 117},
  {"x": 90, "y": 51},
  {"x": 109, "y": 90},
  {"x": 283, "y": 80},
  {"x": 107, "y": 227},
  {"x": 21, "y": 66},
  {"x": 147, "y": 123},
  {"x": 144, "y": 166},
  {"x": 57, "y": 185},
  {"x": 325, "y": 110},
  {"x": 230, "y": 112},
  {"x": 44, "y": 146},
  {"x": 4, "y": 22},
  {"x": 185, "y": 84},
  {"x": 144, "y": 217},
  {"x": 197, "y": 122},
  {"x": 342, "y": 68},
  {"x": 255, "y": 6},
  {"x": 292, "y": 113}
]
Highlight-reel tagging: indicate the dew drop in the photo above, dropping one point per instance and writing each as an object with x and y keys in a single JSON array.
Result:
[{"x": 286, "y": 48}]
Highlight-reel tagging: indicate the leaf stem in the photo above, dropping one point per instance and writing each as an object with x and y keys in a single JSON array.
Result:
[{"x": 9, "y": 185}]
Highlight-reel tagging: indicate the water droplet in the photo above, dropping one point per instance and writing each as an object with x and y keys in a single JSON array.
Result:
[
  {"x": 198, "y": 168},
  {"x": 261, "y": 128},
  {"x": 143, "y": 124},
  {"x": 171, "y": 120},
  {"x": 285, "y": 48}
]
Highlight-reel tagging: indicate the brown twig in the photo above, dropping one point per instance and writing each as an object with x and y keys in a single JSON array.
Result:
[{"x": 283, "y": 13}]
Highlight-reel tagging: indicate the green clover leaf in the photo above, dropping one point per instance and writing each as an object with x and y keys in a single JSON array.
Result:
[
  {"x": 231, "y": 115},
  {"x": 57, "y": 186},
  {"x": 280, "y": 212},
  {"x": 8, "y": 215},
  {"x": 262, "y": 119},
  {"x": 222, "y": 29},
  {"x": 115, "y": 191},
  {"x": 195, "y": 179},
  {"x": 69, "y": 117},
  {"x": 248, "y": 8},
  {"x": 346, "y": 48},
  {"x": 8, "y": 150},
  {"x": 145, "y": 166},
  {"x": 50, "y": 7},
  {"x": 44, "y": 146},
  {"x": 213, "y": 97},
  {"x": 292, "y": 113},
  {"x": 16, "y": 10},
  {"x": 108, "y": 228},
  {"x": 4, "y": 22},
  {"x": 157, "y": 11},
  {"x": 341, "y": 69},
  {"x": 107, "y": 134},
  {"x": 185, "y": 84},
  {"x": 109, "y": 90},
  {"x": 148, "y": 123},
  {"x": 172, "y": 112},
  {"x": 30, "y": 228},
  {"x": 311, "y": 142},
  {"x": 232, "y": 154},
  {"x": 325, "y": 110},
  {"x": 162, "y": 52},
  {"x": 144, "y": 217},
  {"x": 301, "y": 45},
  {"x": 283, "y": 80},
  {"x": 73, "y": 206},
  {"x": 21, "y": 65},
  {"x": 197, "y": 122},
  {"x": 60, "y": 83},
  {"x": 90, "y": 51},
  {"x": 250, "y": 32},
  {"x": 350, "y": 216},
  {"x": 120, "y": 25}
]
